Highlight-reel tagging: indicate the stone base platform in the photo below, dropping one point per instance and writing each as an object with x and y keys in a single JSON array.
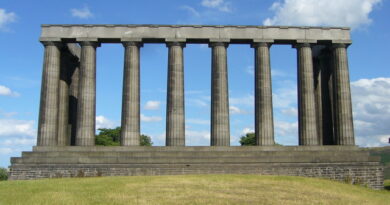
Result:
[{"x": 343, "y": 163}]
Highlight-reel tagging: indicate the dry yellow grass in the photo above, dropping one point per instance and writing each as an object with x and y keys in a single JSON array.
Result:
[{"x": 192, "y": 189}]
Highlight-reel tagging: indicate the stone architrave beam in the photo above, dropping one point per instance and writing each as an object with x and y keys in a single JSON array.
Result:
[{"x": 195, "y": 33}]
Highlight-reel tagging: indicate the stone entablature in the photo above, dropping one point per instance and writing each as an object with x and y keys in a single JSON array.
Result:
[{"x": 107, "y": 33}]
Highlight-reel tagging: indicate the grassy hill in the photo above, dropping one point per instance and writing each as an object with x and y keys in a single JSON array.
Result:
[{"x": 190, "y": 189}]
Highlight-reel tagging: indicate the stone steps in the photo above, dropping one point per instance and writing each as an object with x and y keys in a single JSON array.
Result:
[
  {"x": 150, "y": 156},
  {"x": 176, "y": 154},
  {"x": 333, "y": 162},
  {"x": 182, "y": 160},
  {"x": 193, "y": 148}
]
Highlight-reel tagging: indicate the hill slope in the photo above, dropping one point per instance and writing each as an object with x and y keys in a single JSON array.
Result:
[{"x": 190, "y": 189}]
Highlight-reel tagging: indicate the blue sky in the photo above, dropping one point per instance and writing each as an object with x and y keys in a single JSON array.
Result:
[{"x": 21, "y": 57}]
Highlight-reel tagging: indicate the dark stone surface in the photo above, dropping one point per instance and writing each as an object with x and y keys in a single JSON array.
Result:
[{"x": 351, "y": 165}]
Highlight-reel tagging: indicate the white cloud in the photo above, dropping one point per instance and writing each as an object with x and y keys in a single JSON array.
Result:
[
  {"x": 7, "y": 114},
  {"x": 221, "y": 5},
  {"x": 236, "y": 110},
  {"x": 247, "y": 130},
  {"x": 372, "y": 141},
  {"x": 5, "y": 150},
  {"x": 150, "y": 119},
  {"x": 286, "y": 133},
  {"x": 11, "y": 127},
  {"x": 286, "y": 128},
  {"x": 198, "y": 121},
  {"x": 371, "y": 106},
  {"x": 8, "y": 92},
  {"x": 103, "y": 122},
  {"x": 19, "y": 141},
  {"x": 191, "y": 10},
  {"x": 279, "y": 73},
  {"x": 198, "y": 137},
  {"x": 248, "y": 100},
  {"x": 353, "y": 13},
  {"x": 6, "y": 18},
  {"x": 291, "y": 111},
  {"x": 152, "y": 105},
  {"x": 250, "y": 70},
  {"x": 83, "y": 13},
  {"x": 199, "y": 102},
  {"x": 286, "y": 96}
]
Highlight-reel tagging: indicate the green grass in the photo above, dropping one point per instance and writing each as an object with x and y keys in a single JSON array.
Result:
[{"x": 190, "y": 189}]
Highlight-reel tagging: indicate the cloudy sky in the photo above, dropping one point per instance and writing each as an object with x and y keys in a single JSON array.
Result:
[{"x": 21, "y": 64}]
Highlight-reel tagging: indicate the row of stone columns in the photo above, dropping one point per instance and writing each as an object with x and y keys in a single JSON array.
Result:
[{"x": 57, "y": 109}]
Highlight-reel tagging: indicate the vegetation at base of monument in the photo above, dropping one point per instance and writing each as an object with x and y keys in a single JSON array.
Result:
[
  {"x": 3, "y": 174},
  {"x": 249, "y": 139},
  {"x": 188, "y": 189},
  {"x": 111, "y": 137}
]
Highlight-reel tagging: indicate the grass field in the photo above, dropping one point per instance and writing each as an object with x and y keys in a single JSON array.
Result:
[{"x": 190, "y": 189}]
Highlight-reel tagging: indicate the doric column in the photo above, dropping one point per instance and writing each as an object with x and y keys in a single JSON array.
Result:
[
  {"x": 130, "y": 128},
  {"x": 48, "y": 109},
  {"x": 306, "y": 100},
  {"x": 342, "y": 97},
  {"x": 220, "y": 129},
  {"x": 86, "y": 107},
  {"x": 63, "y": 101},
  {"x": 73, "y": 90},
  {"x": 264, "y": 125},
  {"x": 318, "y": 97},
  {"x": 323, "y": 71},
  {"x": 175, "y": 130}
]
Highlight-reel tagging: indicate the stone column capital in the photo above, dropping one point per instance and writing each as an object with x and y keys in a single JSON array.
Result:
[
  {"x": 52, "y": 43},
  {"x": 261, "y": 44},
  {"x": 213, "y": 44},
  {"x": 339, "y": 45},
  {"x": 176, "y": 43},
  {"x": 302, "y": 45},
  {"x": 132, "y": 43},
  {"x": 89, "y": 43}
]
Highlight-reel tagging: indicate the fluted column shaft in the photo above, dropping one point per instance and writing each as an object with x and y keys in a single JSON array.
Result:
[
  {"x": 48, "y": 109},
  {"x": 73, "y": 101},
  {"x": 220, "y": 129},
  {"x": 318, "y": 73},
  {"x": 264, "y": 125},
  {"x": 342, "y": 97},
  {"x": 63, "y": 103},
  {"x": 86, "y": 107},
  {"x": 175, "y": 125},
  {"x": 130, "y": 128},
  {"x": 306, "y": 99}
]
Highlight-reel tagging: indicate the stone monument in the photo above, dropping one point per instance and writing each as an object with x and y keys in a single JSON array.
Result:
[{"x": 66, "y": 132}]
